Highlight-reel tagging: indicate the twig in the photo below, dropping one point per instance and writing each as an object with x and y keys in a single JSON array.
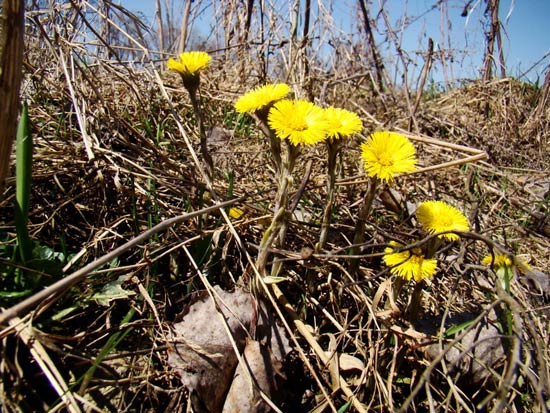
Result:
[{"x": 423, "y": 77}]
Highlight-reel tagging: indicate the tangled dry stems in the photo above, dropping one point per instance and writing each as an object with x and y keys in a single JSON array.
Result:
[{"x": 110, "y": 163}]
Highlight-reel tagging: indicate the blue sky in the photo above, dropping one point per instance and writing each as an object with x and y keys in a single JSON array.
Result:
[{"x": 526, "y": 34}]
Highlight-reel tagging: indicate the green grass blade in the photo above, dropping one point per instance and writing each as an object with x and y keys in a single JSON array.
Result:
[
  {"x": 23, "y": 180},
  {"x": 109, "y": 347}
]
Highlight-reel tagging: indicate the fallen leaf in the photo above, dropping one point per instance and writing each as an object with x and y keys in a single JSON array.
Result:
[
  {"x": 202, "y": 353},
  {"x": 349, "y": 362},
  {"x": 243, "y": 396}
]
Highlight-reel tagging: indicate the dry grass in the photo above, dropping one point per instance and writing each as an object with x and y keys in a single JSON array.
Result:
[{"x": 115, "y": 149}]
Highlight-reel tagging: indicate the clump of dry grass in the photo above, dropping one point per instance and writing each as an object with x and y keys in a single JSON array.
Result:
[
  {"x": 114, "y": 156},
  {"x": 492, "y": 116}
]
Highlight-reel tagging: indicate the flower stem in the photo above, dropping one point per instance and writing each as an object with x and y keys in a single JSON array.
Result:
[
  {"x": 274, "y": 141},
  {"x": 333, "y": 149},
  {"x": 268, "y": 238},
  {"x": 276, "y": 232},
  {"x": 413, "y": 310},
  {"x": 364, "y": 212},
  {"x": 433, "y": 246},
  {"x": 202, "y": 132}
]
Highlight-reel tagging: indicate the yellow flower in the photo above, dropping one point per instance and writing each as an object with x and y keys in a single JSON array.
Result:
[
  {"x": 438, "y": 216},
  {"x": 190, "y": 63},
  {"x": 386, "y": 154},
  {"x": 261, "y": 97},
  {"x": 500, "y": 260},
  {"x": 299, "y": 121},
  {"x": 409, "y": 264},
  {"x": 342, "y": 122}
]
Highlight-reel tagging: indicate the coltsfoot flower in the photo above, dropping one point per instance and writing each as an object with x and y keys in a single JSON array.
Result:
[
  {"x": 500, "y": 260},
  {"x": 190, "y": 63},
  {"x": 189, "y": 67},
  {"x": 261, "y": 98},
  {"x": 409, "y": 264},
  {"x": 299, "y": 121},
  {"x": 342, "y": 123},
  {"x": 438, "y": 216},
  {"x": 387, "y": 154}
]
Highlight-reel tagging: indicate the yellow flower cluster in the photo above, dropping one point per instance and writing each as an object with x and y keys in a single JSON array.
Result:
[
  {"x": 385, "y": 154},
  {"x": 301, "y": 122},
  {"x": 435, "y": 217},
  {"x": 342, "y": 123},
  {"x": 189, "y": 67},
  {"x": 498, "y": 261}
]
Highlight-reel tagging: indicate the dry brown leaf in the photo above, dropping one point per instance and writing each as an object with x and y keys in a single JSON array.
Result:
[
  {"x": 264, "y": 368},
  {"x": 349, "y": 362},
  {"x": 333, "y": 367},
  {"x": 477, "y": 355},
  {"x": 203, "y": 355}
]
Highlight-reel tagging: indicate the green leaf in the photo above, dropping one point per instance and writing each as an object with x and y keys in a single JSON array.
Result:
[
  {"x": 23, "y": 179},
  {"x": 112, "y": 291},
  {"x": 457, "y": 328},
  {"x": 43, "y": 252},
  {"x": 15, "y": 294},
  {"x": 345, "y": 407}
]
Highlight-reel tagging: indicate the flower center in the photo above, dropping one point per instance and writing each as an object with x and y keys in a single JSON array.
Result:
[
  {"x": 445, "y": 222},
  {"x": 298, "y": 124},
  {"x": 385, "y": 159}
]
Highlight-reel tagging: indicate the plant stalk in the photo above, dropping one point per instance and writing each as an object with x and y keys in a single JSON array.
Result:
[
  {"x": 333, "y": 147},
  {"x": 202, "y": 132},
  {"x": 364, "y": 212}
]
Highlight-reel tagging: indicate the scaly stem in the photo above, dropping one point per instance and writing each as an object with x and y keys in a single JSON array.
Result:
[
  {"x": 433, "y": 247},
  {"x": 364, "y": 212},
  {"x": 267, "y": 240},
  {"x": 276, "y": 232},
  {"x": 332, "y": 148},
  {"x": 288, "y": 166},
  {"x": 274, "y": 229},
  {"x": 413, "y": 310},
  {"x": 274, "y": 141},
  {"x": 202, "y": 132}
]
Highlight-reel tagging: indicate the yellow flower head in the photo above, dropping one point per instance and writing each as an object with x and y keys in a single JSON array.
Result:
[
  {"x": 190, "y": 63},
  {"x": 189, "y": 66},
  {"x": 409, "y": 264},
  {"x": 386, "y": 154},
  {"x": 500, "y": 260},
  {"x": 342, "y": 122},
  {"x": 299, "y": 121},
  {"x": 261, "y": 97},
  {"x": 505, "y": 261},
  {"x": 438, "y": 216}
]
